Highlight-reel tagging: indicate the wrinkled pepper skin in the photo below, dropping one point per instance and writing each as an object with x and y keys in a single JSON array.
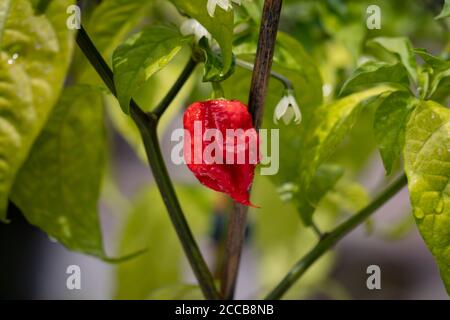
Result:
[{"x": 233, "y": 179}]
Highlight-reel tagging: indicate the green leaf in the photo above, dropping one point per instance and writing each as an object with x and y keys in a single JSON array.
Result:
[
  {"x": 427, "y": 165},
  {"x": 111, "y": 21},
  {"x": 135, "y": 61},
  {"x": 374, "y": 73},
  {"x": 445, "y": 13},
  {"x": 58, "y": 187},
  {"x": 148, "y": 226},
  {"x": 151, "y": 93},
  {"x": 327, "y": 128},
  {"x": 35, "y": 54},
  {"x": 214, "y": 64},
  {"x": 325, "y": 179},
  {"x": 400, "y": 47},
  {"x": 321, "y": 136},
  {"x": 220, "y": 26},
  {"x": 389, "y": 126},
  {"x": 440, "y": 71},
  {"x": 441, "y": 94}
]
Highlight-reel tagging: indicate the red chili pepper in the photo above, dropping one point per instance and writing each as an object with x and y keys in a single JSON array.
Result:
[{"x": 226, "y": 171}]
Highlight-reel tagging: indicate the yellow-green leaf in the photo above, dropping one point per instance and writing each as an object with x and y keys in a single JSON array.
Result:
[
  {"x": 58, "y": 187},
  {"x": 427, "y": 165},
  {"x": 374, "y": 73},
  {"x": 144, "y": 54},
  {"x": 323, "y": 133},
  {"x": 111, "y": 21},
  {"x": 4, "y": 9},
  {"x": 326, "y": 129},
  {"x": 401, "y": 48},
  {"x": 34, "y": 57}
]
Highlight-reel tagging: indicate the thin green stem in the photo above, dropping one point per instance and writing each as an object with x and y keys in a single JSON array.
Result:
[
  {"x": 96, "y": 60},
  {"x": 316, "y": 230},
  {"x": 218, "y": 92},
  {"x": 184, "y": 76},
  {"x": 331, "y": 238},
  {"x": 278, "y": 76},
  {"x": 147, "y": 124},
  {"x": 147, "y": 127}
]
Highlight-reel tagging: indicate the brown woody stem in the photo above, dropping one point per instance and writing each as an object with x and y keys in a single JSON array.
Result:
[{"x": 261, "y": 74}]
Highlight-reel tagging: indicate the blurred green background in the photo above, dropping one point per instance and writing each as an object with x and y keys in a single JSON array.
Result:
[{"x": 333, "y": 34}]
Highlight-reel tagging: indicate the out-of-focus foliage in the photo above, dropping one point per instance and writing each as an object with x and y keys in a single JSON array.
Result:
[
  {"x": 357, "y": 88},
  {"x": 281, "y": 239},
  {"x": 148, "y": 226}
]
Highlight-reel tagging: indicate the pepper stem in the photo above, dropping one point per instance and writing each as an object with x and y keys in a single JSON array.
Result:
[{"x": 218, "y": 92}]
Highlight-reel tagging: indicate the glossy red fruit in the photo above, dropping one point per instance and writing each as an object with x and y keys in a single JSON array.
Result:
[{"x": 234, "y": 156}]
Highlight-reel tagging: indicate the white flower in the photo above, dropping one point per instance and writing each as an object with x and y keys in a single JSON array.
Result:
[
  {"x": 287, "y": 191},
  {"x": 193, "y": 27},
  {"x": 287, "y": 109},
  {"x": 224, "y": 4}
]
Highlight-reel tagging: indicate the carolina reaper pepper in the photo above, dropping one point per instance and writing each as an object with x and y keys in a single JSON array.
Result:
[{"x": 221, "y": 146}]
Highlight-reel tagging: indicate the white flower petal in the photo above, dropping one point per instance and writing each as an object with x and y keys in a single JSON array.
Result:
[
  {"x": 288, "y": 110},
  {"x": 211, "y": 7},
  {"x": 295, "y": 109},
  {"x": 224, "y": 4},
  {"x": 280, "y": 109},
  {"x": 187, "y": 27},
  {"x": 193, "y": 27}
]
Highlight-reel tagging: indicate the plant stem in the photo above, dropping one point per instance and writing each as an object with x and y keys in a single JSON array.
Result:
[
  {"x": 278, "y": 76},
  {"x": 96, "y": 60},
  {"x": 184, "y": 76},
  {"x": 263, "y": 61},
  {"x": 316, "y": 229},
  {"x": 217, "y": 90},
  {"x": 147, "y": 124},
  {"x": 261, "y": 73},
  {"x": 331, "y": 238},
  {"x": 233, "y": 249}
]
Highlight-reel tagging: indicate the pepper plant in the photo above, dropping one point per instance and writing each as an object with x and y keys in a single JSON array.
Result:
[{"x": 312, "y": 70}]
